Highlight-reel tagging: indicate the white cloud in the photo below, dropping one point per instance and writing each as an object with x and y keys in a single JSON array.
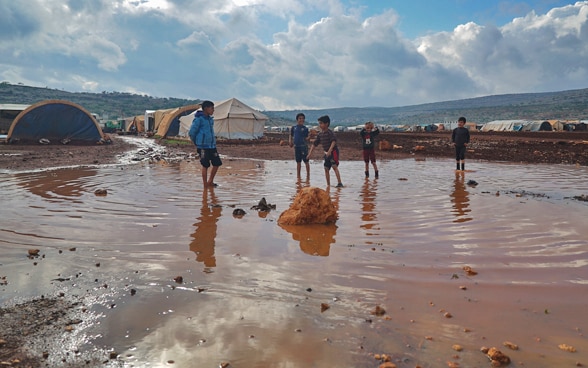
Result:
[
  {"x": 533, "y": 53},
  {"x": 284, "y": 54}
]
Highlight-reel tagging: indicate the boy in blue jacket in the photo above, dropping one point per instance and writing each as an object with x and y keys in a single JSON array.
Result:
[{"x": 202, "y": 135}]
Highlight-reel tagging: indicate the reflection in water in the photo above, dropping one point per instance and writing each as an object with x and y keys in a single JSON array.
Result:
[
  {"x": 315, "y": 239},
  {"x": 460, "y": 199},
  {"x": 261, "y": 305},
  {"x": 52, "y": 184},
  {"x": 302, "y": 184},
  {"x": 368, "y": 205},
  {"x": 206, "y": 227}
]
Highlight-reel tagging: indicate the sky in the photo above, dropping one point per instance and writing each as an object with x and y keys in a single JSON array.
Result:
[{"x": 297, "y": 54}]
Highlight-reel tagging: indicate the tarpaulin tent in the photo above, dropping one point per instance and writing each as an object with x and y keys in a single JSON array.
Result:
[
  {"x": 8, "y": 112},
  {"x": 232, "y": 120},
  {"x": 505, "y": 125},
  {"x": 168, "y": 125},
  {"x": 523, "y": 125},
  {"x": 55, "y": 120},
  {"x": 235, "y": 120}
]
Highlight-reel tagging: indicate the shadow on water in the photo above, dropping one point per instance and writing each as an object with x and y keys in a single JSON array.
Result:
[{"x": 257, "y": 294}]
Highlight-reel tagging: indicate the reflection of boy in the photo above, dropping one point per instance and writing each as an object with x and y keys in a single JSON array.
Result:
[
  {"x": 202, "y": 135},
  {"x": 327, "y": 138},
  {"x": 204, "y": 236},
  {"x": 298, "y": 138},
  {"x": 460, "y": 138},
  {"x": 368, "y": 136}
]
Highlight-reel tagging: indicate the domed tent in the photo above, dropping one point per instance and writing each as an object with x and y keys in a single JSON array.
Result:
[
  {"x": 169, "y": 124},
  {"x": 55, "y": 120}
]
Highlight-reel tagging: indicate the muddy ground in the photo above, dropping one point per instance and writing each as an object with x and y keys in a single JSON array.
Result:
[
  {"x": 570, "y": 148},
  {"x": 46, "y": 318}
]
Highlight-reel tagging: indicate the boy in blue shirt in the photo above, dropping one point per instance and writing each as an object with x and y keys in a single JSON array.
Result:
[
  {"x": 298, "y": 138},
  {"x": 202, "y": 134}
]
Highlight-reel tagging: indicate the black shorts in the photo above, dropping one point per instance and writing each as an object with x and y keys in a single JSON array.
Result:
[
  {"x": 209, "y": 156},
  {"x": 301, "y": 153}
]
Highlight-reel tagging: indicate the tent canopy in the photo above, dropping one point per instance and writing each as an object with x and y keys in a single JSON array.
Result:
[
  {"x": 235, "y": 120},
  {"x": 167, "y": 122},
  {"x": 522, "y": 126},
  {"x": 232, "y": 120},
  {"x": 55, "y": 120}
]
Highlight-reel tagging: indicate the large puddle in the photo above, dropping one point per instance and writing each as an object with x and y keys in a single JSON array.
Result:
[{"x": 255, "y": 294}]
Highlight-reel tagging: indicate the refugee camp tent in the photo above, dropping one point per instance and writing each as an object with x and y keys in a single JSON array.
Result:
[
  {"x": 505, "y": 125},
  {"x": 56, "y": 121},
  {"x": 168, "y": 122},
  {"x": 235, "y": 120},
  {"x": 232, "y": 120},
  {"x": 137, "y": 125},
  {"x": 8, "y": 112}
]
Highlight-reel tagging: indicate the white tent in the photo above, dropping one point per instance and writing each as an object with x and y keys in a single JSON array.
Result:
[
  {"x": 232, "y": 120},
  {"x": 505, "y": 125}
]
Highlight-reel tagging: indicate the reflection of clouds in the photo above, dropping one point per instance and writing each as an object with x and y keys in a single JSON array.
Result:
[
  {"x": 460, "y": 199},
  {"x": 206, "y": 228},
  {"x": 315, "y": 239}
]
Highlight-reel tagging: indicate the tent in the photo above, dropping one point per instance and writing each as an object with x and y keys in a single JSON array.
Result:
[
  {"x": 505, "y": 125},
  {"x": 167, "y": 122},
  {"x": 55, "y": 120},
  {"x": 8, "y": 112},
  {"x": 235, "y": 120},
  {"x": 232, "y": 120}
]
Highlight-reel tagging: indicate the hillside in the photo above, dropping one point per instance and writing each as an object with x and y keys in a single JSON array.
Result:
[
  {"x": 108, "y": 105},
  {"x": 564, "y": 105}
]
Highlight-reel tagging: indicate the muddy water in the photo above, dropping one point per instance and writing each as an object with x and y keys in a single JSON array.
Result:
[{"x": 252, "y": 290}]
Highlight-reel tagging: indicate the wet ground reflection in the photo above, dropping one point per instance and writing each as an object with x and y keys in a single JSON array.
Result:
[{"x": 252, "y": 290}]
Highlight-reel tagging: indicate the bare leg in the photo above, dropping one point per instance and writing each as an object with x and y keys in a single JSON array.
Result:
[
  {"x": 336, "y": 169},
  {"x": 298, "y": 167},
  {"x": 204, "y": 175},
  {"x": 327, "y": 176},
  {"x": 307, "y": 169},
  {"x": 212, "y": 175}
]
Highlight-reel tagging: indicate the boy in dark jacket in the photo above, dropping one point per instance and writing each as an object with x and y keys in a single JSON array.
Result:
[
  {"x": 460, "y": 138},
  {"x": 202, "y": 134}
]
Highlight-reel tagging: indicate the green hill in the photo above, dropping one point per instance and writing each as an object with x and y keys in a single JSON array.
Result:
[
  {"x": 110, "y": 105},
  {"x": 564, "y": 105}
]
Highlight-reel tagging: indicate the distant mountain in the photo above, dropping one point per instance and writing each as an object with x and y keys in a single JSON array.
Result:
[{"x": 564, "y": 105}]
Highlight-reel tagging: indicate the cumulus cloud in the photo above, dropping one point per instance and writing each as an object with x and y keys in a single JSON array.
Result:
[{"x": 285, "y": 54}]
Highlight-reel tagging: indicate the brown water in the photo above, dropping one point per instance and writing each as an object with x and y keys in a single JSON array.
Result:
[{"x": 252, "y": 290}]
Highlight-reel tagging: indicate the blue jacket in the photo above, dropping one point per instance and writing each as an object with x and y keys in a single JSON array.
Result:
[{"x": 202, "y": 131}]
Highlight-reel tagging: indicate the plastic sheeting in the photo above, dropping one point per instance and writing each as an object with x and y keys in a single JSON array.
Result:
[{"x": 55, "y": 120}]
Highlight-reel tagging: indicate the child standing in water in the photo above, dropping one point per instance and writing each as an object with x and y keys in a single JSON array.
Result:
[
  {"x": 368, "y": 136},
  {"x": 460, "y": 138},
  {"x": 327, "y": 138},
  {"x": 298, "y": 138}
]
